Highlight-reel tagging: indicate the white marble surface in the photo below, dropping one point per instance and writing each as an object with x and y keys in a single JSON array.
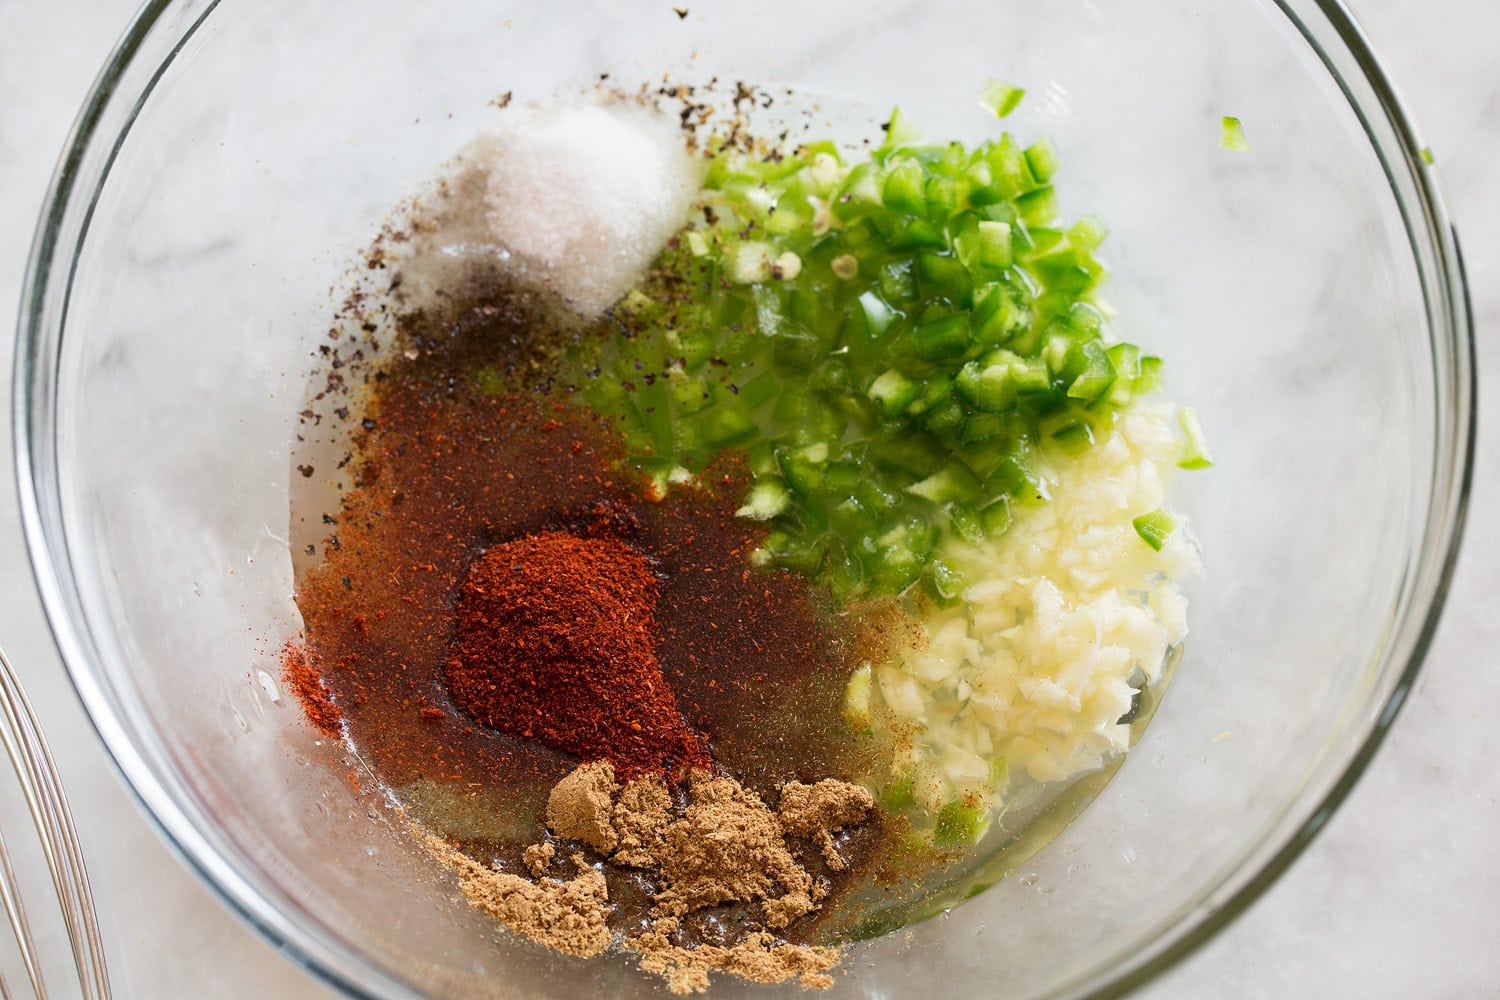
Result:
[{"x": 1397, "y": 898}]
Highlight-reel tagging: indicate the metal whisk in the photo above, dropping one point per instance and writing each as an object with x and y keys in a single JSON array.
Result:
[{"x": 45, "y": 800}]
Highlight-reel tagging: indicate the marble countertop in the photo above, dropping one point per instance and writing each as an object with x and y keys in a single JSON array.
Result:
[{"x": 1395, "y": 899}]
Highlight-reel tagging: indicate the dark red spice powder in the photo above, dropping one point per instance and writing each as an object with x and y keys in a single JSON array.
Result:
[
  {"x": 556, "y": 642},
  {"x": 302, "y": 677}
]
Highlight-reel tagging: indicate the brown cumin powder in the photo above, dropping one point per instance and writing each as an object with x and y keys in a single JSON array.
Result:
[
  {"x": 569, "y": 916},
  {"x": 724, "y": 846}
]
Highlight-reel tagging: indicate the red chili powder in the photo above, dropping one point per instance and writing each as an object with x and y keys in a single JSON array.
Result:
[
  {"x": 556, "y": 642},
  {"x": 299, "y": 674}
]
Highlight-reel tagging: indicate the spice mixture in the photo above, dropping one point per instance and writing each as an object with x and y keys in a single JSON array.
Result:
[
  {"x": 710, "y": 549},
  {"x": 496, "y": 602}
]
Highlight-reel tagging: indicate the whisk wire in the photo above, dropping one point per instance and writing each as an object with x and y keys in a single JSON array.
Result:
[
  {"x": 37, "y": 773},
  {"x": 15, "y": 913}
]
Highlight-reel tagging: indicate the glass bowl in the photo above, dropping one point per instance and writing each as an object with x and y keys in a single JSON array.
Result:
[{"x": 1308, "y": 295}]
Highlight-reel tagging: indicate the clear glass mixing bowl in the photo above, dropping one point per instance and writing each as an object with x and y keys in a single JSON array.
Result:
[{"x": 1308, "y": 295}]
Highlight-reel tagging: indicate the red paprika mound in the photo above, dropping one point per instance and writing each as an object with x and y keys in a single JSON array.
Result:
[{"x": 555, "y": 642}]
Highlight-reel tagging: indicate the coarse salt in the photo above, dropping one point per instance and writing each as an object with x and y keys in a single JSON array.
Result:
[{"x": 584, "y": 197}]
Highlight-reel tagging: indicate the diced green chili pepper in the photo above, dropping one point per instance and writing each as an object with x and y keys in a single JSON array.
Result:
[
  {"x": 726, "y": 425},
  {"x": 893, "y": 392},
  {"x": 961, "y": 823},
  {"x": 964, "y": 519},
  {"x": 1091, "y": 372},
  {"x": 1000, "y": 98},
  {"x": 1150, "y": 378},
  {"x": 995, "y": 518},
  {"x": 1195, "y": 450},
  {"x": 901, "y": 129},
  {"x": 944, "y": 583},
  {"x": 1038, "y": 207},
  {"x": 1041, "y": 157},
  {"x": 952, "y": 482},
  {"x": 1155, "y": 527},
  {"x": 1086, "y": 234},
  {"x": 986, "y": 387},
  {"x": 1074, "y": 438},
  {"x": 1232, "y": 135},
  {"x": 904, "y": 186},
  {"x": 941, "y": 337}
]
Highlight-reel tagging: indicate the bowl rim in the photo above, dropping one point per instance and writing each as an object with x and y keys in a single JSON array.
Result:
[{"x": 333, "y": 960}]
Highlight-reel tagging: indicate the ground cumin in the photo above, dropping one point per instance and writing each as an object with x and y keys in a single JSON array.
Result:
[
  {"x": 537, "y": 857},
  {"x": 823, "y": 809},
  {"x": 723, "y": 846},
  {"x": 569, "y": 916},
  {"x": 760, "y": 958},
  {"x": 643, "y": 812},
  {"x": 728, "y": 847},
  {"x": 582, "y": 807}
]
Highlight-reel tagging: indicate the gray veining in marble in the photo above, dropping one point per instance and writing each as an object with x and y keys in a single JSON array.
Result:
[{"x": 1398, "y": 897}]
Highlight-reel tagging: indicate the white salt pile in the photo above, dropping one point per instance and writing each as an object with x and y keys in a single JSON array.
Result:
[{"x": 585, "y": 197}]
